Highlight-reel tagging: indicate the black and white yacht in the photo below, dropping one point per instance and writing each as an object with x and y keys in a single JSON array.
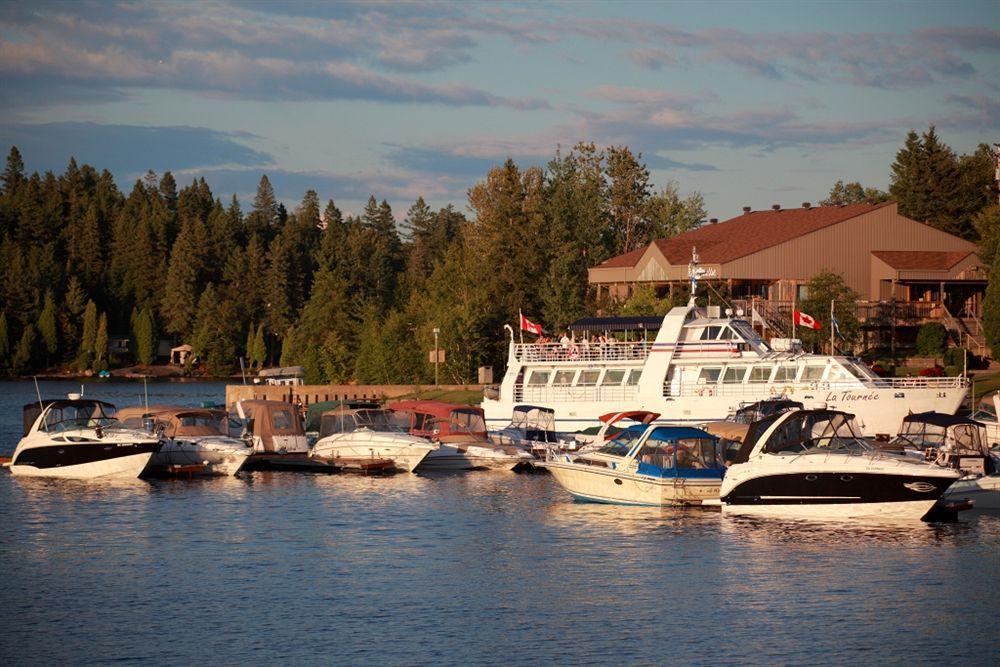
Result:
[
  {"x": 79, "y": 438},
  {"x": 812, "y": 464}
]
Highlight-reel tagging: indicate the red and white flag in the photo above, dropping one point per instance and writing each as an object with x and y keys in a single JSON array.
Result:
[
  {"x": 803, "y": 320},
  {"x": 529, "y": 326}
]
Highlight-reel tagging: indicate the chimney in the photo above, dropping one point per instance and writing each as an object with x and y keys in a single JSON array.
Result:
[
  {"x": 806, "y": 205},
  {"x": 713, "y": 221},
  {"x": 775, "y": 207},
  {"x": 746, "y": 209}
]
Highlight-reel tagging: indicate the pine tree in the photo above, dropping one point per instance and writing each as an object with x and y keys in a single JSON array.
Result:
[
  {"x": 248, "y": 348},
  {"x": 145, "y": 336},
  {"x": 13, "y": 175},
  {"x": 987, "y": 225},
  {"x": 264, "y": 218},
  {"x": 216, "y": 332},
  {"x": 70, "y": 315},
  {"x": 185, "y": 281},
  {"x": 4, "y": 340},
  {"x": 21, "y": 359},
  {"x": 101, "y": 343},
  {"x": 332, "y": 238},
  {"x": 628, "y": 192},
  {"x": 47, "y": 326},
  {"x": 88, "y": 339},
  {"x": 259, "y": 347}
]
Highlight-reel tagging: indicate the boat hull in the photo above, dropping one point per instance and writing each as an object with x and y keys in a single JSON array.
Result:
[
  {"x": 215, "y": 461},
  {"x": 603, "y": 485},
  {"x": 405, "y": 458},
  {"x": 127, "y": 465},
  {"x": 983, "y": 491}
]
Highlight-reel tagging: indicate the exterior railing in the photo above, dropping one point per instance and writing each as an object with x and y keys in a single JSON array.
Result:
[
  {"x": 761, "y": 389},
  {"x": 534, "y": 352},
  {"x": 543, "y": 394}
]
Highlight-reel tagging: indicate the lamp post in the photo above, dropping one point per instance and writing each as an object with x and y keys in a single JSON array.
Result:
[{"x": 436, "y": 355}]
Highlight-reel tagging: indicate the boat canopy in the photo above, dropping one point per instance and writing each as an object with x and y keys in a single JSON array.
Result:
[
  {"x": 814, "y": 432},
  {"x": 753, "y": 412},
  {"x": 178, "y": 421},
  {"x": 635, "y": 415},
  {"x": 439, "y": 419},
  {"x": 63, "y": 414},
  {"x": 679, "y": 451},
  {"x": 933, "y": 430},
  {"x": 537, "y": 422},
  {"x": 283, "y": 372},
  {"x": 938, "y": 419},
  {"x": 267, "y": 419},
  {"x": 635, "y": 323},
  {"x": 346, "y": 420},
  {"x": 315, "y": 411}
]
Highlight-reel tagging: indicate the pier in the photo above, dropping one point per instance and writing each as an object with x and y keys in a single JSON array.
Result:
[{"x": 308, "y": 394}]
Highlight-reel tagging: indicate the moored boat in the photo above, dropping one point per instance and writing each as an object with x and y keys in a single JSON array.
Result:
[
  {"x": 644, "y": 465},
  {"x": 79, "y": 438},
  {"x": 349, "y": 437},
  {"x": 275, "y": 432}
]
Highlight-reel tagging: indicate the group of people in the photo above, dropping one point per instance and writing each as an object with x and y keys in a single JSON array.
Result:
[{"x": 570, "y": 347}]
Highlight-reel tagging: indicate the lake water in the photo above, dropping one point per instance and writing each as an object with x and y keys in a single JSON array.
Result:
[{"x": 460, "y": 569}]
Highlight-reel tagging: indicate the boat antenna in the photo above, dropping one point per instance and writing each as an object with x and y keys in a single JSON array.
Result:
[
  {"x": 38, "y": 392},
  {"x": 145, "y": 391}
]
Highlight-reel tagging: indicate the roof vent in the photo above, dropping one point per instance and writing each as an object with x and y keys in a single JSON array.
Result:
[
  {"x": 713, "y": 221},
  {"x": 806, "y": 205},
  {"x": 775, "y": 207},
  {"x": 746, "y": 209}
]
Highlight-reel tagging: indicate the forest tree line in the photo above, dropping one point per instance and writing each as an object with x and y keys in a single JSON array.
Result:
[{"x": 356, "y": 297}]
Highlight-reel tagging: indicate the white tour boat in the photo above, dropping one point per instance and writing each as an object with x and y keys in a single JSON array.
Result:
[{"x": 703, "y": 365}]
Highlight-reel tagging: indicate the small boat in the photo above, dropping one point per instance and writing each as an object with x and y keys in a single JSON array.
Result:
[
  {"x": 350, "y": 437},
  {"x": 275, "y": 433},
  {"x": 79, "y": 438},
  {"x": 958, "y": 443},
  {"x": 812, "y": 464},
  {"x": 986, "y": 414},
  {"x": 644, "y": 464},
  {"x": 611, "y": 425},
  {"x": 460, "y": 433},
  {"x": 191, "y": 437},
  {"x": 748, "y": 413},
  {"x": 532, "y": 429}
]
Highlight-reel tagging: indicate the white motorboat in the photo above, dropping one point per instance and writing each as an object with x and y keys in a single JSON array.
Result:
[
  {"x": 460, "y": 433},
  {"x": 644, "y": 465},
  {"x": 611, "y": 425},
  {"x": 79, "y": 438},
  {"x": 532, "y": 429},
  {"x": 958, "y": 443},
  {"x": 276, "y": 434},
  {"x": 192, "y": 437},
  {"x": 812, "y": 464},
  {"x": 348, "y": 436},
  {"x": 703, "y": 364},
  {"x": 986, "y": 413}
]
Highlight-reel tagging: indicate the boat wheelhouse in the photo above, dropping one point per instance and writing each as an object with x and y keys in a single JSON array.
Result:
[{"x": 702, "y": 366}]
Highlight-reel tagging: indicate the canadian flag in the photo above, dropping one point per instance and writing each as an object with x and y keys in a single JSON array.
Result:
[
  {"x": 529, "y": 326},
  {"x": 803, "y": 320}
]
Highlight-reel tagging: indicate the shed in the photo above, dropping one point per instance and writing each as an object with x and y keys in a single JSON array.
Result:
[{"x": 179, "y": 355}]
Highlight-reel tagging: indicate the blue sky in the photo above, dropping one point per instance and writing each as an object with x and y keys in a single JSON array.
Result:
[{"x": 748, "y": 103}]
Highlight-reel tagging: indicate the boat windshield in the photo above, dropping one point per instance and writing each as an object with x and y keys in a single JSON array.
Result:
[
  {"x": 985, "y": 413},
  {"x": 622, "y": 442},
  {"x": 688, "y": 453},
  {"x": 810, "y": 432},
  {"x": 381, "y": 421},
  {"x": 961, "y": 439},
  {"x": 197, "y": 423},
  {"x": 73, "y": 416},
  {"x": 466, "y": 421}
]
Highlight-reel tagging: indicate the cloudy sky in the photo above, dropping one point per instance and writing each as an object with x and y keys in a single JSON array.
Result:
[{"x": 748, "y": 103}]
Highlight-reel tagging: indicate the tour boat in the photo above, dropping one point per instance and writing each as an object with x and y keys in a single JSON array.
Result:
[
  {"x": 812, "y": 464},
  {"x": 644, "y": 464},
  {"x": 79, "y": 438},
  {"x": 192, "y": 437},
  {"x": 703, "y": 364},
  {"x": 958, "y": 443},
  {"x": 460, "y": 433},
  {"x": 350, "y": 436}
]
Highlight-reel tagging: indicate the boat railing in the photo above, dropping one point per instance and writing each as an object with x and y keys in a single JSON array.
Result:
[
  {"x": 777, "y": 389},
  {"x": 542, "y": 394},
  {"x": 577, "y": 351}
]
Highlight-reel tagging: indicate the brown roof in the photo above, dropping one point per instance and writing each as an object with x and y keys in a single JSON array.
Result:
[
  {"x": 921, "y": 260},
  {"x": 746, "y": 234}
]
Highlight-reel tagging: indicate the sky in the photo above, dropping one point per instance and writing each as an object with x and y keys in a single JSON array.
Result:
[{"x": 748, "y": 103}]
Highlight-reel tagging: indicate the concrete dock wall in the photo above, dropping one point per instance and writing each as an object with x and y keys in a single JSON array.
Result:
[{"x": 309, "y": 394}]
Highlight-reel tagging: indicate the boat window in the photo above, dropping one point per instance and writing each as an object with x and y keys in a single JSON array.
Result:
[
  {"x": 633, "y": 377},
  {"x": 622, "y": 443},
  {"x": 813, "y": 372},
  {"x": 563, "y": 377},
  {"x": 759, "y": 374},
  {"x": 613, "y": 376},
  {"x": 689, "y": 453},
  {"x": 986, "y": 413},
  {"x": 709, "y": 375},
  {"x": 538, "y": 378},
  {"x": 786, "y": 374},
  {"x": 466, "y": 421},
  {"x": 281, "y": 420},
  {"x": 734, "y": 375},
  {"x": 378, "y": 420},
  {"x": 745, "y": 331},
  {"x": 727, "y": 334},
  {"x": 838, "y": 373},
  {"x": 199, "y": 424},
  {"x": 816, "y": 433},
  {"x": 860, "y": 371},
  {"x": 83, "y": 415},
  {"x": 588, "y": 378},
  {"x": 331, "y": 424},
  {"x": 710, "y": 333}
]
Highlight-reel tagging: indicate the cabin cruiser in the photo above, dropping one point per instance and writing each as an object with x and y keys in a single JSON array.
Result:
[
  {"x": 460, "y": 432},
  {"x": 958, "y": 443},
  {"x": 644, "y": 464},
  {"x": 532, "y": 429},
  {"x": 987, "y": 414},
  {"x": 612, "y": 424},
  {"x": 812, "y": 464},
  {"x": 275, "y": 433},
  {"x": 191, "y": 437},
  {"x": 703, "y": 363},
  {"x": 348, "y": 436},
  {"x": 79, "y": 438},
  {"x": 748, "y": 413}
]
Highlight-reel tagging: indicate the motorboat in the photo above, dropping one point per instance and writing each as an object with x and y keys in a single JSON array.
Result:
[
  {"x": 612, "y": 424},
  {"x": 813, "y": 464},
  {"x": 460, "y": 433},
  {"x": 275, "y": 433},
  {"x": 348, "y": 437},
  {"x": 194, "y": 439},
  {"x": 644, "y": 464},
  {"x": 748, "y": 413},
  {"x": 958, "y": 443},
  {"x": 986, "y": 413},
  {"x": 532, "y": 429},
  {"x": 79, "y": 438},
  {"x": 703, "y": 364}
]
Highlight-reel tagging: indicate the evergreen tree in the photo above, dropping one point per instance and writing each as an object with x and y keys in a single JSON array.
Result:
[
  {"x": 259, "y": 347},
  {"x": 991, "y": 309},
  {"x": 185, "y": 280},
  {"x": 669, "y": 215},
  {"x": 145, "y": 336},
  {"x": 332, "y": 238},
  {"x": 101, "y": 343},
  {"x": 47, "y": 326},
  {"x": 21, "y": 359},
  {"x": 323, "y": 330},
  {"x": 987, "y": 225},
  {"x": 13, "y": 175},
  {"x": 88, "y": 339},
  {"x": 628, "y": 192},
  {"x": 909, "y": 178},
  {"x": 263, "y": 218},
  {"x": 4, "y": 340},
  {"x": 69, "y": 317},
  {"x": 248, "y": 348},
  {"x": 216, "y": 332}
]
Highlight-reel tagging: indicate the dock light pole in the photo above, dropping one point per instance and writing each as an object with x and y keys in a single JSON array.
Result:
[{"x": 437, "y": 356}]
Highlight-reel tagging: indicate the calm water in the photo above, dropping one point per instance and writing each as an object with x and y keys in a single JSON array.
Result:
[{"x": 479, "y": 568}]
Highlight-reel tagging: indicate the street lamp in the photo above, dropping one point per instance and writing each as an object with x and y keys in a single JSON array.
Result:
[{"x": 436, "y": 355}]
